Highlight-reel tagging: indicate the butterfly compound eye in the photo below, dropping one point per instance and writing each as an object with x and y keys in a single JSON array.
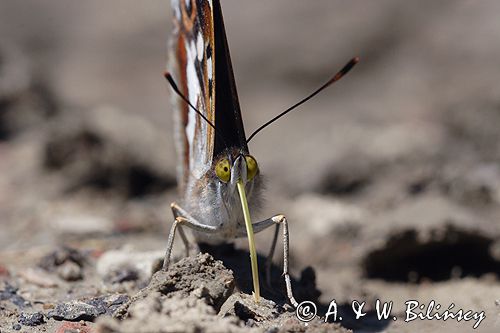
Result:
[
  {"x": 252, "y": 167},
  {"x": 223, "y": 170}
]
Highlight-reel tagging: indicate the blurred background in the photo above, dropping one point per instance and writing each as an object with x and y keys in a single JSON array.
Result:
[{"x": 390, "y": 179}]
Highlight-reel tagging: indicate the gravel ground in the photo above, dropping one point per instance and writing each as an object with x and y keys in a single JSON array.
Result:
[{"x": 390, "y": 180}]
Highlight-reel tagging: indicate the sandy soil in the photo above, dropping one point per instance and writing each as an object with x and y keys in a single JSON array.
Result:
[{"x": 390, "y": 180}]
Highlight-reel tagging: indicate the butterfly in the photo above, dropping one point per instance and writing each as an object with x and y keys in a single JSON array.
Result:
[{"x": 219, "y": 181}]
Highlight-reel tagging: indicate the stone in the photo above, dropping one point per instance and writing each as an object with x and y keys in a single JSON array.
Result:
[
  {"x": 88, "y": 310},
  {"x": 10, "y": 293},
  {"x": 31, "y": 319},
  {"x": 70, "y": 271},
  {"x": 76, "y": 310}
]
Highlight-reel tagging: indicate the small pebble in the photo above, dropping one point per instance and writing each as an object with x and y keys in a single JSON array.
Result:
[
  {"x": 70, "y": 271},
  {"x": 31, "y": 319},
  {"x": 75, "y": 311}
]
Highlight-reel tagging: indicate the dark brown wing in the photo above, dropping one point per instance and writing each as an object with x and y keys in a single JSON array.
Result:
[{"x": 228, "y": 121}]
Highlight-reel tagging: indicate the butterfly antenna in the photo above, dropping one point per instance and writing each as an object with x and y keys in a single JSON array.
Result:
[
  {"x": 337, "y": 77},
  {"x": 170, "y": 80}
]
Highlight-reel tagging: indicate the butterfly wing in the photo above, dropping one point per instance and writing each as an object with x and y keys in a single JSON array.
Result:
[
  {"x": 229, "y": 123},
  {"x": 201, "y": 62},
  {"x": 192, "y": 61}
]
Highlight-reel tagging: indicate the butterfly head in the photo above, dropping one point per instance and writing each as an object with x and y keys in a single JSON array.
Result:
[{"x": 235, "y": 165}]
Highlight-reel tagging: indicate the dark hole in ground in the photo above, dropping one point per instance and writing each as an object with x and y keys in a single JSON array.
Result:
[
  {"x": 88, "y": 161},
  {"x": 344, "y": 184},
  {"x": 129, "y": 180},
  {"x": 142, "y": 181},
  {"x": 418, "y": 187},
  {"x": 60, "y": 152},
  {"x": 457, "y": 254},
  {"x": 26, "y": 110},
  {"x": 4, "y": 131}
]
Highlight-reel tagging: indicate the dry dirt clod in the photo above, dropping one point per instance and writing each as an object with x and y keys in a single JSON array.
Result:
[
  {"x": 196, "y": 295},
  {"x": 202, "y": 275},
  {"x": 244, "y": 307},
  {"x": 168, "y": 314}
]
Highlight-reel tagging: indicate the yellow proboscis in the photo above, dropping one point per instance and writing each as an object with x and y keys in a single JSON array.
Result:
[{"x": 251, "y": 241}]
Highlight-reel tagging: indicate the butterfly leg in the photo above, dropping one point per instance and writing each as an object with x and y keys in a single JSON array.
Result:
[
  {"x": 178, "y": 211},
  {"x": 278, "y": 220},
  {"x": 182, "y": 218}
]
